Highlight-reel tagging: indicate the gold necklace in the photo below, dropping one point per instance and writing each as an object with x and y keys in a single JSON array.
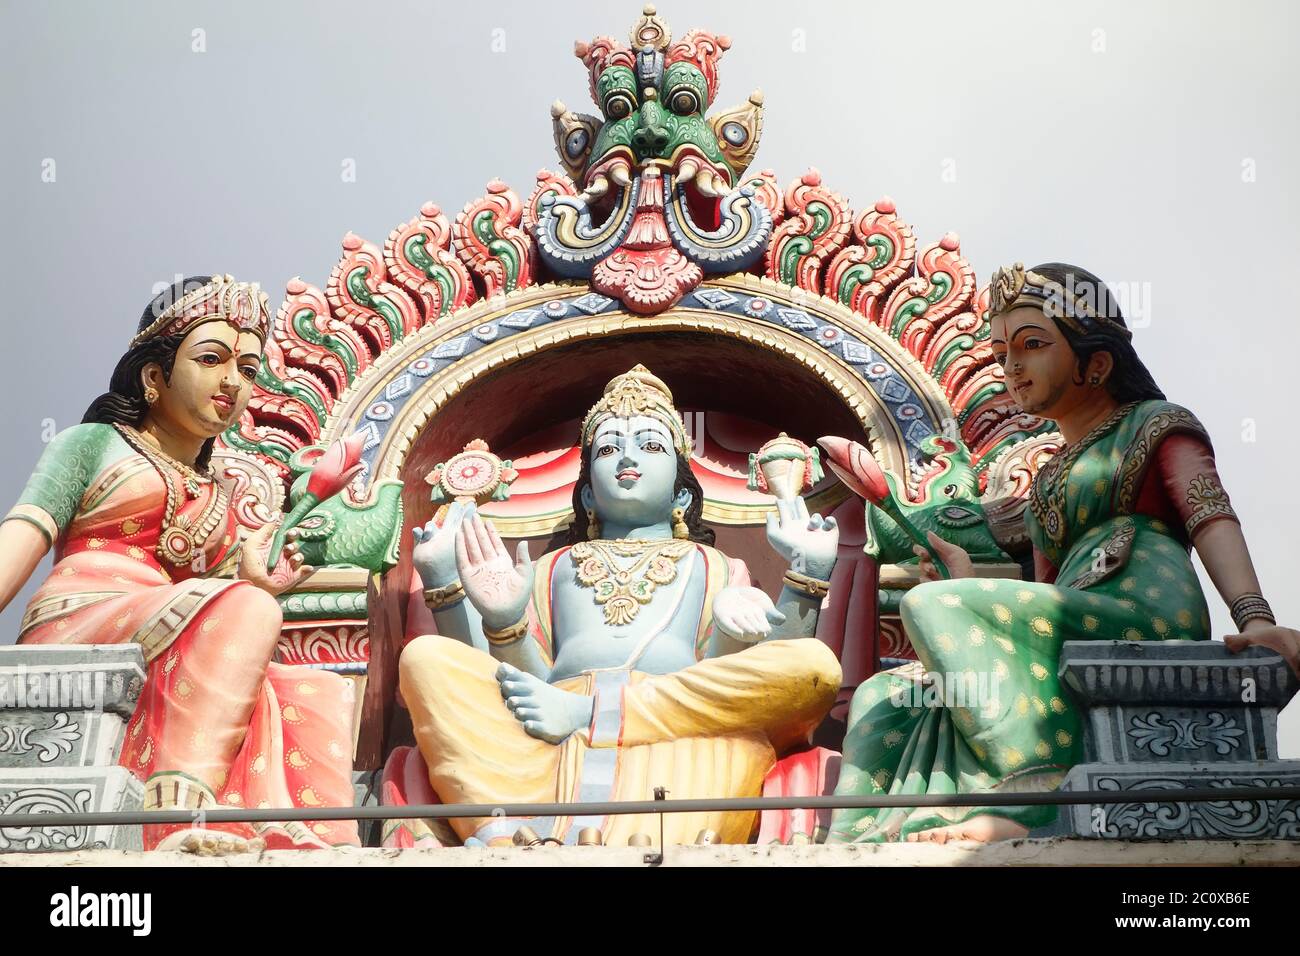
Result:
[
  {"x": 182, "y": 537},
  {"x": 621, "y": 592},
  {"x": 1047, "y": 492}
]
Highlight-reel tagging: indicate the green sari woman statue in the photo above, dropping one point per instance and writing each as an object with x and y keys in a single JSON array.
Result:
[{"x": 1112, "y": 518}]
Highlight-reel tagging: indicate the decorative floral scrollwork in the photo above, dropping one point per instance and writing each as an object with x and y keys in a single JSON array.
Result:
[
  {"x": 1235, "y": 819},
  {"x": 45, "y": 800},
  {"x": 488, "y": 239},
  {"x": 52, "y": 741},
  {"x": 418, "y": 257},
  {"x": 816, "y": 227},
  {"x": 1185, "y": 733}
]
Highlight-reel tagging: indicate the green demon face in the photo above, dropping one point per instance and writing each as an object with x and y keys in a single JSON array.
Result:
[
  {"x": 655, "y": 122},
  {"x": 654, "y": 197},
  {"x": 652, "y": 99}
]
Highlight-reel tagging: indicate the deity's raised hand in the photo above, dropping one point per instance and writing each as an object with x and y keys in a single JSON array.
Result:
[
  {"x": 808, "y": 544},
  {"x": 434, "y": 555},
  {"x": 497, "y": 587},
  {"x": 289, "y": 570}
]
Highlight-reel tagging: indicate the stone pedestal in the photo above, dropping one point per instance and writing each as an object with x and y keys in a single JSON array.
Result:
[
  {"x": 63, "y": 713},
  {"x": 1173, "y": 715}
]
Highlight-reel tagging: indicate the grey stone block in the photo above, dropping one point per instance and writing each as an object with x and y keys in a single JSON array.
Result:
[
  {"x": 66, "y": 705},
  {"x": 1174, "y": 715},
  {"x": 1146, "y": 818},
  {"x": 1176, "y": 672},
  {"x": 69, "y": 790},
  {"x": 107, "y": 677}
]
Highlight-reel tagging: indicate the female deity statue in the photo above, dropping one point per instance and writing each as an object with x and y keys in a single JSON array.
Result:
[
  {"x": 147, "y": 549},
  {"x": 1112, "y": 519}
]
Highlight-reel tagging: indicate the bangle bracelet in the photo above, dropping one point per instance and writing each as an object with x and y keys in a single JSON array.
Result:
[
  {"x": 1248, "y": 607},
  {"x": 507, "y": 634},
  {"x": 436, "y": 599},
  {"x": 806, "y": 585}
]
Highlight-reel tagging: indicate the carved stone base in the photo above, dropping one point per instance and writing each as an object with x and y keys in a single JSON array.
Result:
[
  {"x": 66, "y": 706},
  {"x": 63, "y": 714},
  {"x": 69, "y": 790},
  {"x": 1148, "y": 819},
  {"x": 1177, "y": 715}
]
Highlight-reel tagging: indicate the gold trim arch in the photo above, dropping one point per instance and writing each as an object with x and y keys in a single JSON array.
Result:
[{"x": 435, "y": 391}]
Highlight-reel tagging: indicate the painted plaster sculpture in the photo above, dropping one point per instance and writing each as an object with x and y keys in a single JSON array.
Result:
[
  {"x": 662, "y": 202},
  {"x": 404, "y": 327},
  {"x": 635, "y": 654},
  {"x": 1113, "y": 519},
  {"x": 428, "y": 349},
  {"x": 148, "y": 550}
]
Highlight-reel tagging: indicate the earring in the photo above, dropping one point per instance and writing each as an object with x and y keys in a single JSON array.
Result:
[
  {"x": 1095, "y": 381},
  {"x": 680, "y": 530},
  {"x": 593, "y": 525},
  {"x": 150, "y": 394}
]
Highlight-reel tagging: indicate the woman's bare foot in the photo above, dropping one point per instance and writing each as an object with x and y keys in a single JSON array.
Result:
[
  {"x": 981, "y": 829},
  {"x": 203, "y": 842}
]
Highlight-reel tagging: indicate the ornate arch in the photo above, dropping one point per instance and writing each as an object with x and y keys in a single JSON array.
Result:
[
  {"x": 676, "y": 241},
  {"x": 887, "y": 389}
]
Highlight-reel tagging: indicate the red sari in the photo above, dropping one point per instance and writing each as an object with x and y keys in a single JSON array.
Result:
[{"x": 218, "y": 722}]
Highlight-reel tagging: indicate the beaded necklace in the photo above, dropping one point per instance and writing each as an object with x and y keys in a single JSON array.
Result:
[
  {"x": 1047, "y": 493},
  {"x": 182, "y": 537}
]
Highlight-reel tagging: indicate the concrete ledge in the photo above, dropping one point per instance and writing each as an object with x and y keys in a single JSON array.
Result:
[{"x": 1050, "y": 852}]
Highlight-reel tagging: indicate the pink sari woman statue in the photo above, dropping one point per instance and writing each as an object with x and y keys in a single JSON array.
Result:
[{"x": 147, "y": 549}]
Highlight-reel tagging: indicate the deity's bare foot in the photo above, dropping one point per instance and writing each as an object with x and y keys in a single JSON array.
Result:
[
  {"x": 546, "y": 712},
  {"x": 981, "y": 829},
  {"x": 202, "y": 842}
]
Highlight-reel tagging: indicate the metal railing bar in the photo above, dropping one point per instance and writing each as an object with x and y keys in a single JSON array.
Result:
[{"x": 449, "y": 811}]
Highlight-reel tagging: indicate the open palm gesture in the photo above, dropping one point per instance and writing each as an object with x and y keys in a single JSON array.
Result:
[{"x": 498, "y": 587}]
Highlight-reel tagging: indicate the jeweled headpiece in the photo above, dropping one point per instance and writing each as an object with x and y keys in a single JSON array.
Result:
[
  {"x": 638, "y": 392},
  {"x": 220, "y": 299},
  {"x": 1075, "y": 303}
]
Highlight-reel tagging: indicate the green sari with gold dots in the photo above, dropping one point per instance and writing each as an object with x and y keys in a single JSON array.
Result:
[{"x": 984, "y": 710}]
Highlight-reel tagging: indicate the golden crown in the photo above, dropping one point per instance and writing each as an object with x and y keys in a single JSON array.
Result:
[
  {"x": 637, "y": 392},
  {"x": 221, "y": 298},
  {"x": 1075, "y": 304}
]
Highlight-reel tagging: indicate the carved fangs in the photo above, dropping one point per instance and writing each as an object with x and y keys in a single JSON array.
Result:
[
  {"x": 621, "y": 173},
  {"x": 704, "y": 182},
  {"x": 598, "y": 187}
]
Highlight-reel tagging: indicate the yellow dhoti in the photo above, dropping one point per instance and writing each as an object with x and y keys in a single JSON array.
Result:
[{"x": 710, "y": 730}]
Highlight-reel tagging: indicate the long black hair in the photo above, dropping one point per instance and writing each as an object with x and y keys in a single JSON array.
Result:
[
  {"x": 123, "y": 403},
  {"x": 697, "y": 529},
  {"x": 1130, "y": 380}
]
